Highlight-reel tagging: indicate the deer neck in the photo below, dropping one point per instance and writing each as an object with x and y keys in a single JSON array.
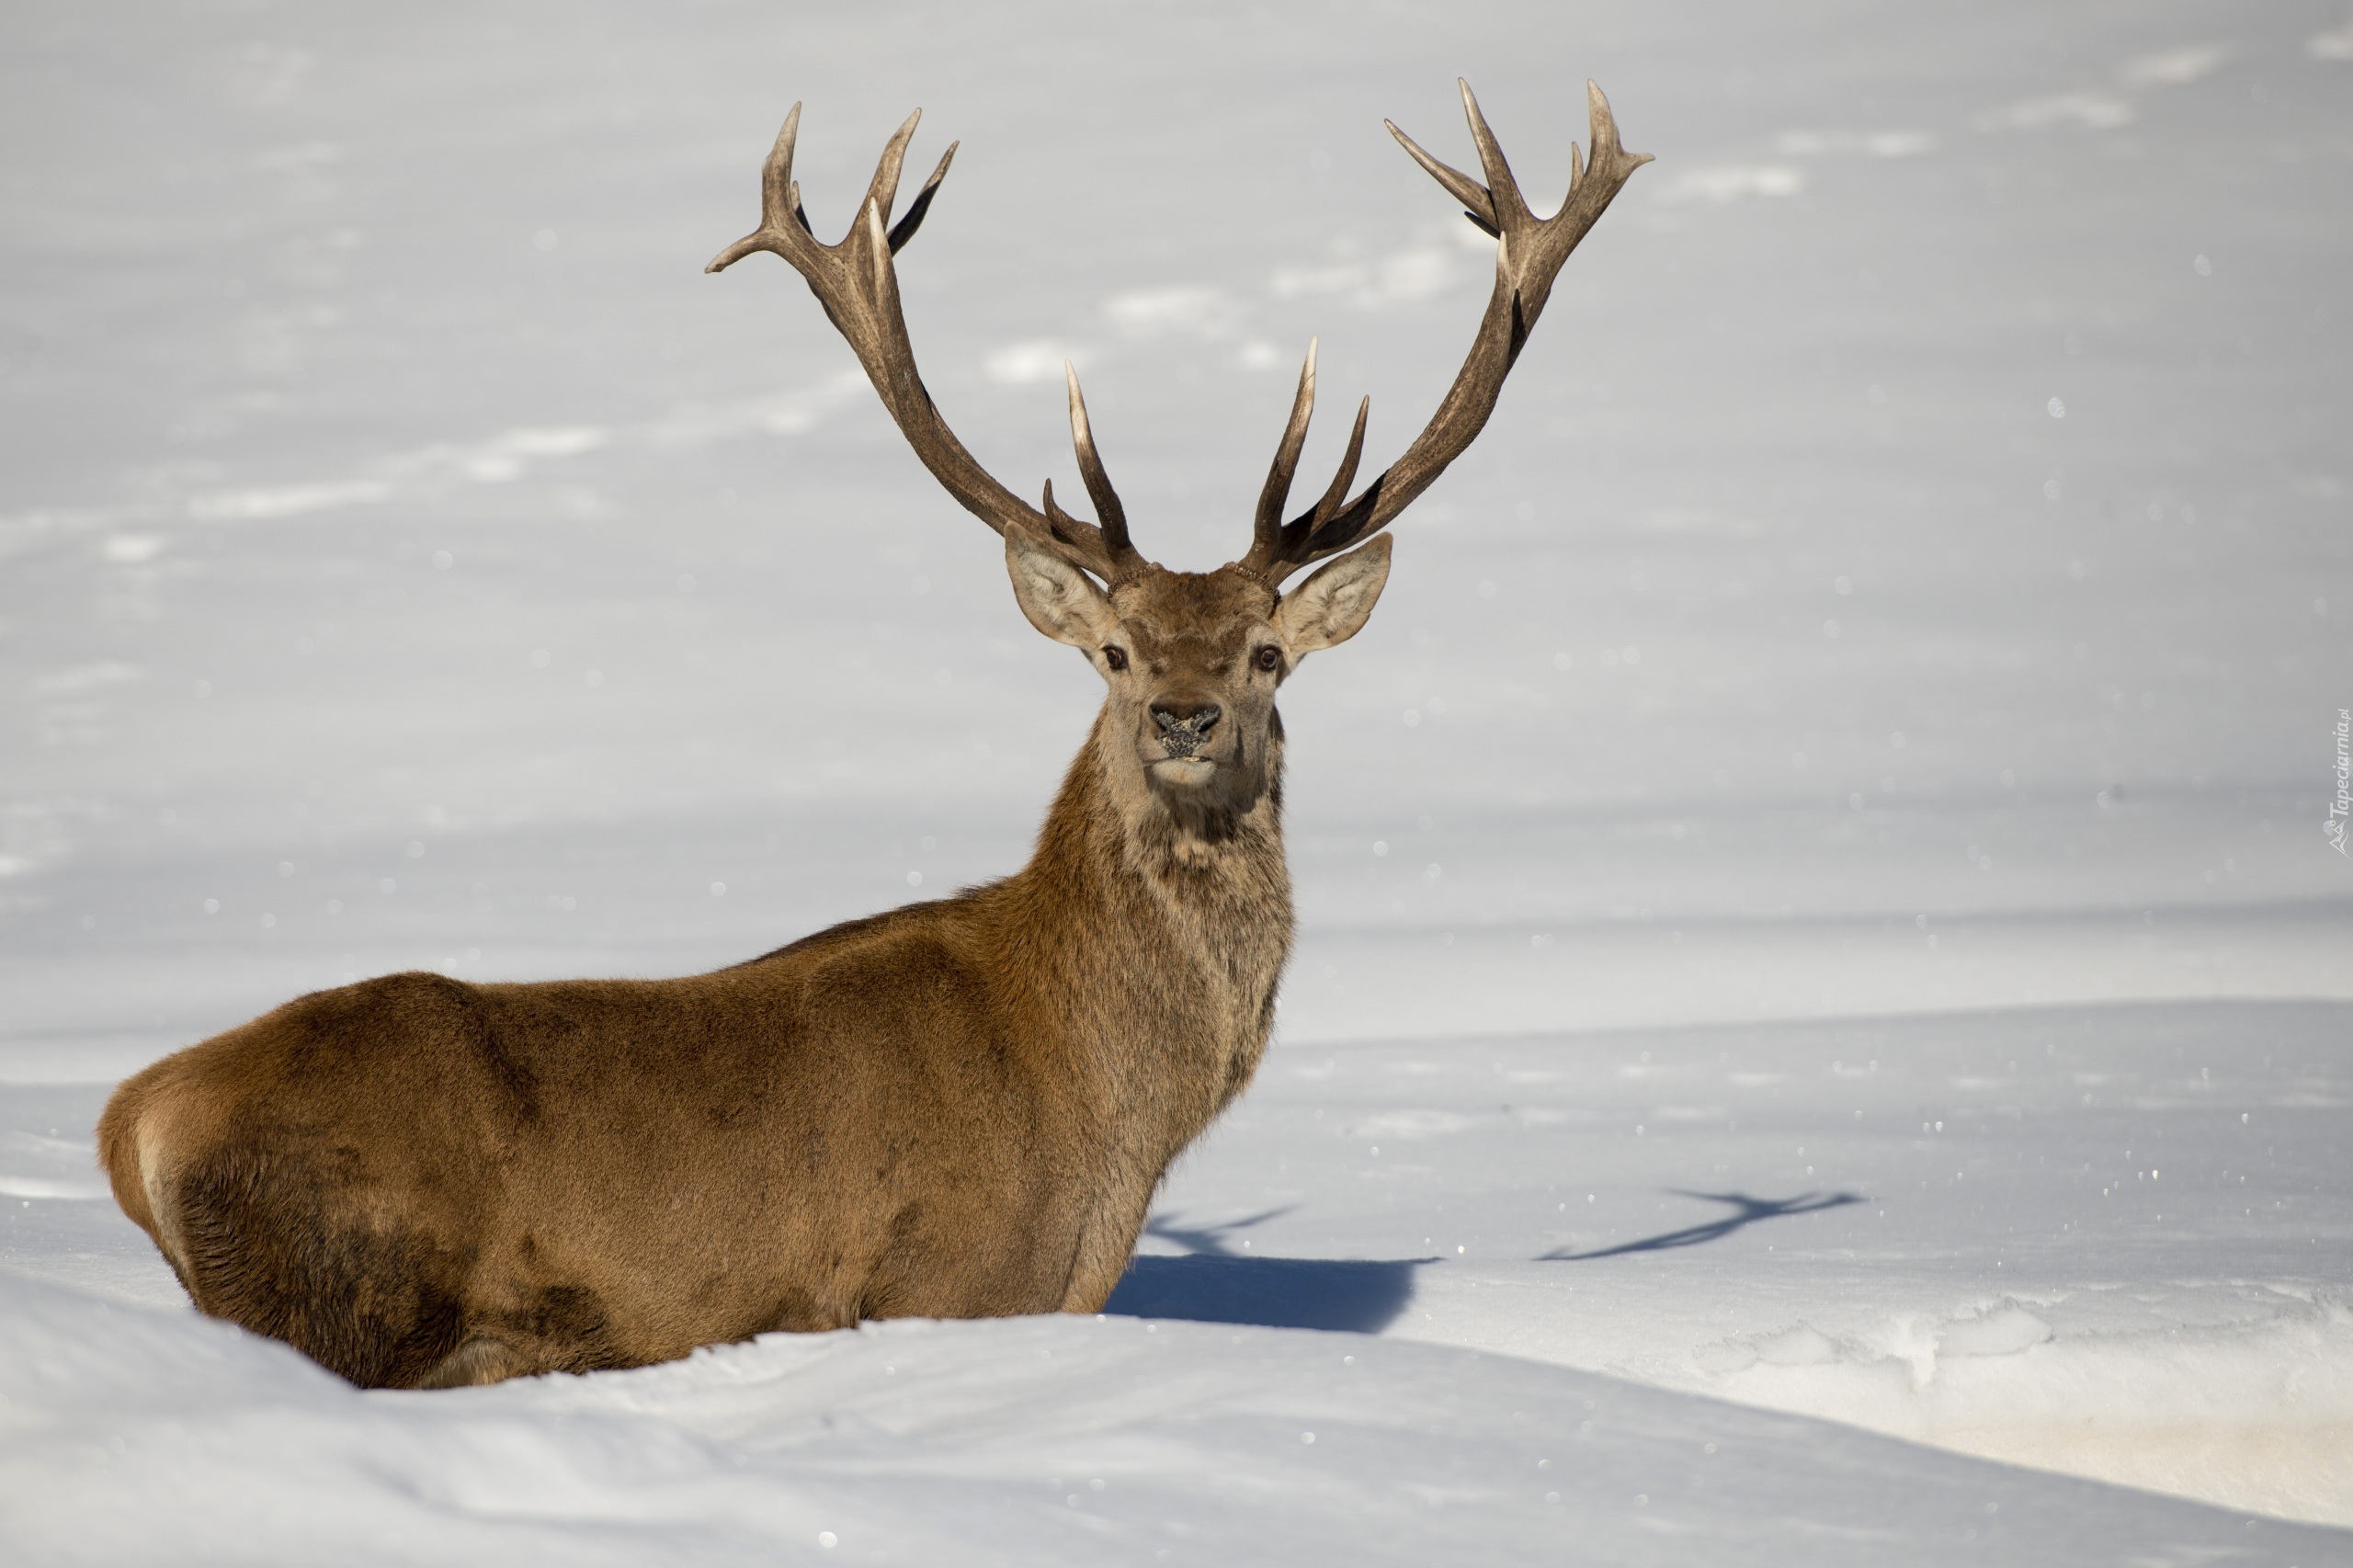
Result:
[{"x": 1174, "y": 915}]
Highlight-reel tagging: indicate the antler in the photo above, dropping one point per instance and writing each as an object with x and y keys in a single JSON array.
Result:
[
  {"x": 858, "y": 286},
  {"x": 1529, "y": 252}
]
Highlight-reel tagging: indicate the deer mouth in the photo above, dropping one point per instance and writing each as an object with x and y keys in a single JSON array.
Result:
[{"x": 1194, "y": 771}]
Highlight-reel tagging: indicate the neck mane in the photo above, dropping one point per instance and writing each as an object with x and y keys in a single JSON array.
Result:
[{"x": 1165, "y": 923}]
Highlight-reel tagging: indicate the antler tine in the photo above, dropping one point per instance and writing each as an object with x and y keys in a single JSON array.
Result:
[
  {"x": 1501, "y": 187},
  {"x": 1476, "y": 204},
  {"x": 904, "y": 229},
  {"x": 1299, "y": 534},
  {"x": 780, "y": 202},
  {"x": 1604, "y": 125},
  {"x": 1609, "y": 154},
  {"x": 776, "y": 174},
  {"x": 1267, "y": 528},
  {"x": 1084, "y": 540},
  {"x": 883, "y": 189},
  {"x": 1342, "y": 479},
  {"x": 1114, "y": 524}
]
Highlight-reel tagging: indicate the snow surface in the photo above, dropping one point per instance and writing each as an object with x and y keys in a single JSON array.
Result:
[{"x": 1819, "y": 964}]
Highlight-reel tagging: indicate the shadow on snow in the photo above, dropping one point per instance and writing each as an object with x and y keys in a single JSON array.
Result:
[
  {"x": 1213, "y": 1283},
  {"x": 1746, "y": 1210}
]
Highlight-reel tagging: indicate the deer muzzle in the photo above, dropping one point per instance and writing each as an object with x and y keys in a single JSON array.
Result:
[{"x": 1185, "y": 726}]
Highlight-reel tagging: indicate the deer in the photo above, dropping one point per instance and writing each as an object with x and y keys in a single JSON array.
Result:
[{"x": 960, "y": 1108}]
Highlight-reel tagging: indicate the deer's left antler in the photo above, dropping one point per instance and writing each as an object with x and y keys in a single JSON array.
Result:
[{"x": 1529, "y": 252}]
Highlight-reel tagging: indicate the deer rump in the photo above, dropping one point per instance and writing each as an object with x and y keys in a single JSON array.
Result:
[
  {"x": 959, "y": 1109},
  {"x": 418, "y": 1181}
]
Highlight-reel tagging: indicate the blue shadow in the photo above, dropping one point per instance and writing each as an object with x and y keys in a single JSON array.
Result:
[
  {"x": 1746, "y": 1210},
  {"x": 1215, "y": 1284}
]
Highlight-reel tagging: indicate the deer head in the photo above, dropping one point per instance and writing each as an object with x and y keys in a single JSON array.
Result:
[{"x": 1192, "y": 660}]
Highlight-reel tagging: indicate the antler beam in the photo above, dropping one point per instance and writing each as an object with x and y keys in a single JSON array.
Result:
[
  {"x": 1529, "y": 252},
  {"x": 857, "y": 284}
]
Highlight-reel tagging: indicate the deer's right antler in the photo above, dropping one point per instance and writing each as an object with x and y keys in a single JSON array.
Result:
[{"x": 858, "y": 286}]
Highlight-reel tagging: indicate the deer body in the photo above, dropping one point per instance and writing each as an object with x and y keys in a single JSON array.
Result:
[
  {"x": 960, "y": 1107},
  {"x": 957, "y": 1108}
]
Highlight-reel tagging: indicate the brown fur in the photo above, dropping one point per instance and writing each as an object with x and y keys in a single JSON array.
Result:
[{"x": 957, "y": 1108}]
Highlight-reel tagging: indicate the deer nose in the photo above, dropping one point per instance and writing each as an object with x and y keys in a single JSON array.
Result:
[{"x": 1175, "y": 713}]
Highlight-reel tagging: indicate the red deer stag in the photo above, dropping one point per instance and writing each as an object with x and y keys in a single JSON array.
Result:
[{"x": 960, "y": 1108}]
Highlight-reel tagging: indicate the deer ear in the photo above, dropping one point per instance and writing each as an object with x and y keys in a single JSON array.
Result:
[
  {"x": 1060, "y": 600},
  {"x": 1332, "y": 605}
]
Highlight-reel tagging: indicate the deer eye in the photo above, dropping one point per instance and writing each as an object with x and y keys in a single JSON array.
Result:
[
  {"x": 1115, "y": 656},
  {"x": 1268, "y": 658}
]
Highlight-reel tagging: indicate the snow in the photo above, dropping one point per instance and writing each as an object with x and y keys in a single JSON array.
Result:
[
  {"x": 1102, "y": 1441},
  {"x": 2043, "y": 1235},
  {"x": 1817, "y": 940}
]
